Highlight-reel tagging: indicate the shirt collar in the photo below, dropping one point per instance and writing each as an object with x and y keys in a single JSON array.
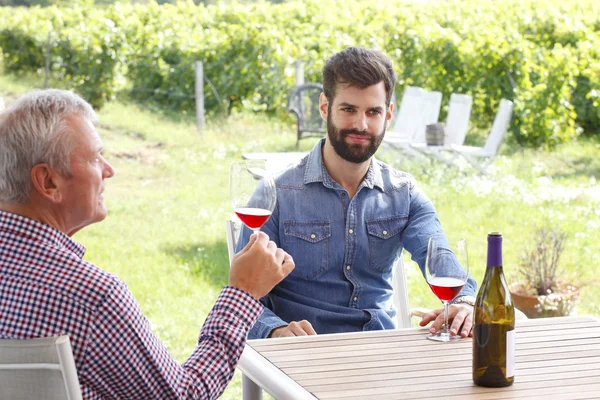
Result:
[
  {"x": 38, "y": 231},
  {"x": 316, "y": 172}
]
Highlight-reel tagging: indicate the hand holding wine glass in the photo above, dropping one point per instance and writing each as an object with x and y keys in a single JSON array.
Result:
[
  {"x": 252, "y": 191},
  {"x": 446, "y": 273}
]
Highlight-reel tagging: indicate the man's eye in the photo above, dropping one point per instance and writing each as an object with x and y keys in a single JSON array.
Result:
[
  {"x": 347, "y": 109},
  {"x": 374, "y": 112}
]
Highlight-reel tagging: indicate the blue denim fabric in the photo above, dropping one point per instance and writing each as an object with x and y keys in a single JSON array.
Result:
[{"x": 344, "y": 249}]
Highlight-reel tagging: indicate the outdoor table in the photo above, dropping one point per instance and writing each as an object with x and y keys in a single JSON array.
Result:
[{"x": 556, "y": 358}]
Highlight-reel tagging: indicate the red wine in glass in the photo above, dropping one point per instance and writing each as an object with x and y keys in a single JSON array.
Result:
[
  {"x": 254, "y": 218},
  {"x": 252, "y": 191},
  {"x": 446, "y": 288},
  {"x": 446, "y": 274}
]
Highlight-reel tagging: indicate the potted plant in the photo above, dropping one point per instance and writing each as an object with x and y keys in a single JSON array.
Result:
[{"x": 540, "y": 293}]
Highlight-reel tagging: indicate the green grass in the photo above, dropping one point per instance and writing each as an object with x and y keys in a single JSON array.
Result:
[{"x": 165, "y": 233}]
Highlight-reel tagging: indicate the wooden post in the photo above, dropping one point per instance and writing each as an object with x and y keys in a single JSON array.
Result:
[
  {"x": 199, "y": 96},
  {"x": 299, "y": 73},
  {"x": 47, "y": 69}
]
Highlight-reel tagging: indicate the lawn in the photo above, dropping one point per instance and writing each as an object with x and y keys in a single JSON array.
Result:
[{"x": 165, "y": 233}]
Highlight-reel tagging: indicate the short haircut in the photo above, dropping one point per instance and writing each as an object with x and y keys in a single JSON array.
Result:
[
  {"x": 33, "y": 131},
  {"x": 359, "y": 67}
]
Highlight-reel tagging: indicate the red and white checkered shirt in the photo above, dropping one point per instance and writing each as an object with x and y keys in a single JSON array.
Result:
[{"x": 47, "y": 289}]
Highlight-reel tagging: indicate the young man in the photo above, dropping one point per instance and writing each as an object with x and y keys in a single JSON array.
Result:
[
  {"x": 52, "y": 175},
  {"x": 345, "y": 217}
]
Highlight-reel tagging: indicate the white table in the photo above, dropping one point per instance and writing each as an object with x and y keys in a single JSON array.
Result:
[{"x": 556, "y": 358}]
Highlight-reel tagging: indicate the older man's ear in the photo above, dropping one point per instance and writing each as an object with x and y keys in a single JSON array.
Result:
[{"x": 46, "y": 183}]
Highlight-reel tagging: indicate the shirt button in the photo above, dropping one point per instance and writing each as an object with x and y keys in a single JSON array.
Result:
[
  {"x": 343, "y": 193},
  {"x": 355, "y": 299},
  {"x": 384, "y": 233},
  {"x": 312, "y": 236},
  {"x": 348, "y": 267},
  {"x": 350, "y": 231}
]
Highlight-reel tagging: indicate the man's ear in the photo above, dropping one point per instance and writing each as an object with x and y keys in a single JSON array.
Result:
[
  {"x": 47, "y": 182},
  {"x": 389, "y": 115},
  {"x": 323, "y": 103}
]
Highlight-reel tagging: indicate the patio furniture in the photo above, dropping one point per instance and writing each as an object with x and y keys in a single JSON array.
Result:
[
  {"x": 555, "y": 358},
  {"x": 38, "y": 369},
  {"x": 417, "y": 109},
  {"x": 482, "y": 157},
  {"x": 457, "y": 125},
  {"x": 303, "y": 103}
]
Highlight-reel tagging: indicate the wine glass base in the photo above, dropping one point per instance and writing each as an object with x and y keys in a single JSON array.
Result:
[{"x": 444, "y": 337}]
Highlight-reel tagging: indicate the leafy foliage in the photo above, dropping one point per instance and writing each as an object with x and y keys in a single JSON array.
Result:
[{"x": 542, "y": 55}]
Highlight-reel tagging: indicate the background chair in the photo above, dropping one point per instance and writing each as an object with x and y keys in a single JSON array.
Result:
[
  {"x": 38, "y": 369},
  {"x": 457, "y": 125},
  {"x": 418, "y": 108},
  {"x": 303, "y": 102},
  {"x": 457, "y": 121},
  {"x": 482, "y": 157}
]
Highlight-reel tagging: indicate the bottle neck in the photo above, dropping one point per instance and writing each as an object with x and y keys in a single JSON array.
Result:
[{"x": 494, "y": 255}]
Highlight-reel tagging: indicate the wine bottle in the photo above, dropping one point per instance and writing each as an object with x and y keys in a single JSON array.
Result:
[{"x": 494, "y": 329}]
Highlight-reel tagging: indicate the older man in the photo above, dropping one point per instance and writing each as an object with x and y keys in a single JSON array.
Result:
[
  {"x": 345, "y": 216},
  {"x": 52, "y": 175}
]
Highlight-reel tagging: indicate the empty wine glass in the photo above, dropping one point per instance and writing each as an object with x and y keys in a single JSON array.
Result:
[
  {"x": 446, "y": 273},
  {"x": 252, "y": 191}
]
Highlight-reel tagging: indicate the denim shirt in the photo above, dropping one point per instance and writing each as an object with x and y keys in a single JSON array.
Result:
[{"x": 344, "y": 249}]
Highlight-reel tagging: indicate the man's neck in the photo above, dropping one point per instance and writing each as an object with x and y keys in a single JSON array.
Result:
[
  {"x": 36, "y": 214},
  {"x": 346, "y": 173}
]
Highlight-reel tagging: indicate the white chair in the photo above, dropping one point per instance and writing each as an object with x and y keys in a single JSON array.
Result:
[
  {"x": 38, "y": 369},
  {"x": 457, "y": 121},
  {"x": 418, "y": 108},
  {"x": 457, "y": 125},
  {"x": 410, "y": 111},
  {"x": 481, "y": 157}
]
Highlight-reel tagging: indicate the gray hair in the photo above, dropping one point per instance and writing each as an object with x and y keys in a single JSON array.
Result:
[{"x": 33, "y": 131}]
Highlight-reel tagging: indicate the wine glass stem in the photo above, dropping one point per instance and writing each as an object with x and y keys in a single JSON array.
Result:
[{"x": 445, "y": 328}]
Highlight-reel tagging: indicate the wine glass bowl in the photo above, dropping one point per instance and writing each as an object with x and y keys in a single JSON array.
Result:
[
  {"x": 252, "y": 192},
  {"x": 446, "y": 273}
]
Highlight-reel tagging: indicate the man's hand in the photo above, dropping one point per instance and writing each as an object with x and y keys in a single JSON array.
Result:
[
  {"x": 295, "y": 328},
  {"x": 259, "y": 266},
  {"x": 460, "y": 319}
]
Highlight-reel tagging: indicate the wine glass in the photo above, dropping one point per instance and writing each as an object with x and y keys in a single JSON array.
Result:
[
  {"x": 446, "y": 273},
  {"x": 252, "y": 192}
]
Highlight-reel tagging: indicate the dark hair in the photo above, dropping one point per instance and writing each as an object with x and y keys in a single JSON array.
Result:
[{"x": 359, "y": 67}]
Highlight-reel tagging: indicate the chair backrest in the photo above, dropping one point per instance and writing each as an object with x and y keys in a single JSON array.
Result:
[
  {"x": 232, "y": 229},
  {"x": 410, "y": 114},
  {"x": 303, "y": 102},
  {"x": 432, "y": 102},
  {"x": 38, "y": 369},
  {"x": 400, "y": 296},
  {"x": 499, "y": 128},
  {"x": 457, "y": 122}
]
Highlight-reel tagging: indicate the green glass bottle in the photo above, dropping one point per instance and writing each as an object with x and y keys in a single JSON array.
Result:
[{"x": 494, "y": 330}]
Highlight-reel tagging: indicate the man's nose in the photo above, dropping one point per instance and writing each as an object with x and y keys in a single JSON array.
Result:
[
  {"x": 360, "y": 122},
  {"x": 109, "y": 171}
]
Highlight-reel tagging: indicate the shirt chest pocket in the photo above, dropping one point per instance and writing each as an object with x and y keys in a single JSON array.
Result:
[
  {"x": 308, "y": 243},
  {"x": 384, "y": 241}
]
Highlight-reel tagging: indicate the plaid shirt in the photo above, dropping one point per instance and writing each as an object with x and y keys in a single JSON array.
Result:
[{"x": 47, "y": 289}]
